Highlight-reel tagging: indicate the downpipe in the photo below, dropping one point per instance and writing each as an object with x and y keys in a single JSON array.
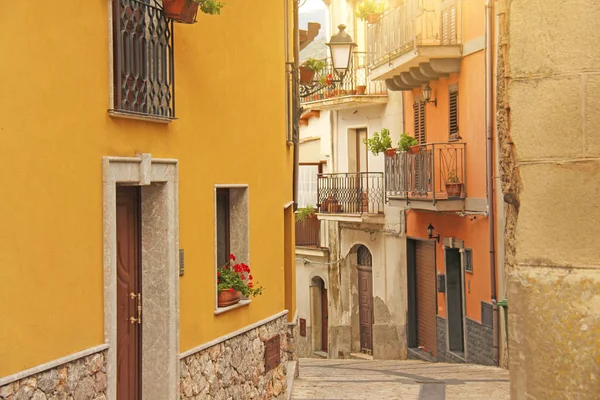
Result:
[{"x": 490, "y": 171}]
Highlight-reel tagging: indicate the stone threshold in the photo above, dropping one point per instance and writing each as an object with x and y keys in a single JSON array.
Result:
[
  {"x": 320, "y": 354},
  {"x": 421, "y": 355},
  {"x": 52, "y": 364},
  {"x": 361, "y": 356},
  {"x": 218, "y": 340}
]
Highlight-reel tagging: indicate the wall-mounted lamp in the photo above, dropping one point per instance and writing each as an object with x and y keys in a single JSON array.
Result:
[
  {"x": 430, "y": 229},
  {"x": 427, "y": 95}
]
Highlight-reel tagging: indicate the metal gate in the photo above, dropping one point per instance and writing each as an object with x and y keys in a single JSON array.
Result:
[{"x": 426, "y": 296}]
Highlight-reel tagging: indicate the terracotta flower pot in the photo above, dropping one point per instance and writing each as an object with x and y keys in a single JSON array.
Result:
[
  {"x": 414, "y": 149},
  {"x": 371, "y": 19},
  {"x": 361, "y": 89},
  {"x": 228, "y": 298},
  {"x": 454, "y": 189},
  {"x": 390, "y": 152},
  {"x": 306, "y": 75},
  {"x": 183, "y": 11}
]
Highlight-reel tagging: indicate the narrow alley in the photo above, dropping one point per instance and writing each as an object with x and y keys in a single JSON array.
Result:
[{"x": 402, "y": 380}]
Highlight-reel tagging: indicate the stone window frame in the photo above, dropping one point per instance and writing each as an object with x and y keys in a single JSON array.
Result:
[
  {"x": 239, "y": 239},
  {"x": 159, "y": 181}
]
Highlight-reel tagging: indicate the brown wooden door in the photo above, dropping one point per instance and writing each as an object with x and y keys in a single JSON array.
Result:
[
  {"x": 324, "y": 319},
  {"x": 426, "y": 296},
  {"x": 128, "y": 294},
  {"x": 365, "y": 295}
]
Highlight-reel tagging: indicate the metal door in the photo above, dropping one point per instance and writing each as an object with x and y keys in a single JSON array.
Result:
[{"x": 426, "y": 296}]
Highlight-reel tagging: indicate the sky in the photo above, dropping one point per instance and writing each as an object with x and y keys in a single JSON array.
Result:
[{"x": 311, "y": 5}]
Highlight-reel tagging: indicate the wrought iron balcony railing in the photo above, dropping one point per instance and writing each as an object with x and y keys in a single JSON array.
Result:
[
  {"x": 143, "y": 59},
  {"x": 437, "y": 171},
  {"x": 326, "y": 84},
  {"x": 308, "y": 232},
  {"x": 412, "y": 23},
  {"x": 351, "y": 193}
]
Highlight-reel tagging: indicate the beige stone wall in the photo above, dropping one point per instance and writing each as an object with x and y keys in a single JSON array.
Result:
[
  {"x": 235, "y": 368},
  {"x": 82, "y": 379},
  {"x": 551, "y": 149}
]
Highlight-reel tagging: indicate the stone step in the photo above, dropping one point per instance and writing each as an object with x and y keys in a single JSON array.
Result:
[
  {"x": 360, "y": 356},
  {"x": 320, "y": 354}
]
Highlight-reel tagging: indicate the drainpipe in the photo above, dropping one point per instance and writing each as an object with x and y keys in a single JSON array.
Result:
[
  {"x": 296, "y": 110},
  {"x": 489, "y": 109}
]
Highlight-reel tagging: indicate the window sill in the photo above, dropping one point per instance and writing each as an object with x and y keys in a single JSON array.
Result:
[
  {"x": 242, "y": 303},
  {"x": 140, "y": 116}
]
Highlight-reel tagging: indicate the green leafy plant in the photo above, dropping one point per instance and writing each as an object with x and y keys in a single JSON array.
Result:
[
  {"x": 211, "y": 7},
  {"x": 237, "y": 277},
  {"x": 379, "y": 142},
  {"x": 452, "y": 177},
  {"x": 304, "y": 212},
  {"x": 314, "y": 65},
  {"x": 406, "y": 142},
  {"x": 369, "y": 7}
]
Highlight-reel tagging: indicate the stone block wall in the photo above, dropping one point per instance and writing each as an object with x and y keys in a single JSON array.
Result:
[
  {"x": 235, "y": 368},
  {"x": 443, "y": 355},
  {"x": 480, "y": 343},
  {"x": 82, "y": 379},
  {"x": 292, "y": 334}
]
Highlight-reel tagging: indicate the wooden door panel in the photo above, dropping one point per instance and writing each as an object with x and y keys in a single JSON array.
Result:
[
  {"x": 365, "y": 291},
  {"x": 426, "y": 296},
  {"x": 128, "y": 281},
  {"x": 324, "y": 319}
]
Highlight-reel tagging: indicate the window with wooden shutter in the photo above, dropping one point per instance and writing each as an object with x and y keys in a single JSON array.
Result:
[
  {"x": 448, "y": 23},
  {"x": 453, "y": 112},
  {"x": 419, "y": 119}
]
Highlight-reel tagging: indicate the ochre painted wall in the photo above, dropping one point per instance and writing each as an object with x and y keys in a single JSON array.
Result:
[{"x": 55, "y": 129}]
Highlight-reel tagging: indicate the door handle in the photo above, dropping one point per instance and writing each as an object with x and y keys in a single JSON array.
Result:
[{"x": 137, "y": 296}]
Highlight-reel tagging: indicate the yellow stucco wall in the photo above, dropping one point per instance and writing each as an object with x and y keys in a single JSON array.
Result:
[
  {"x": 54, "y": 127},
  {"x": 554, "y": 274}
]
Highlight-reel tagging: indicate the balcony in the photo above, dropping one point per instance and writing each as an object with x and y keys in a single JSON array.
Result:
[
  {"x": 355, "y": 90},
  {"x": 433, "y": 178},
  {"x": 308, "y": 233},
  {"x": 356, "y": 195},
  {"x": 414, "y": 42}
]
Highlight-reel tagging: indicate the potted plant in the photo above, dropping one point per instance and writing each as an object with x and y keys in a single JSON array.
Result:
[
  {"x": 406, "y": 142},
  {"x": 185, "y": 11},
  {"x": 234, "y": 280},
  {"x": 309, "y": 68},
  {"x": 379, "y": 142},
  {"x": 454, "y": 187},
  {"x": 361, "y": 89},
  {"x": 305, "y": 212},
  {"x": 369, "y": 10}
]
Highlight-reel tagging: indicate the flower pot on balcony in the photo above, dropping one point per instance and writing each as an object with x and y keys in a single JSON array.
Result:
[
  {"x": 390, "y": 152},
  {"x": 414, "y": 149},
  {"x": 351, "y": 92},
  {"x": 454, "y": 189},
  {"x": 228, "y": 298},
  {"x": 183, "y": 11},
  {"x": 361, "y": 89},
  {"x": 371, "y": 19},
  {"x": 306, "y": 75}
]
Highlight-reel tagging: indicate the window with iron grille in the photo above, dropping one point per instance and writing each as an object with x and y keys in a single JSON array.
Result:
[
  {"x": 142, "y": 59},
  {"x": 419, "y": 119},
  {"x": 453, "y": 112}
]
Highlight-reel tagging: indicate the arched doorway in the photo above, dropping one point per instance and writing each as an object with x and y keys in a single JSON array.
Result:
[
  {"x": 320, "y": 314},
  {"x": 365, "y": 299}
]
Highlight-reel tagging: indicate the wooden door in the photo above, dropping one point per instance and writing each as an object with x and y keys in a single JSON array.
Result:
[
  {"x": 324, "y": 319},
  {"x": 426, "y": 296},
  {"x": 365, "y": 299},
  {"x": 128, "y": 294}
]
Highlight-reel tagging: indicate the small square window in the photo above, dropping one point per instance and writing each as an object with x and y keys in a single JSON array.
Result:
[{"x": 469, "y": 261}]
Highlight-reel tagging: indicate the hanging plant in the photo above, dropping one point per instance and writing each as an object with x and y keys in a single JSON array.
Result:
[{"x": 185, "y": 11}]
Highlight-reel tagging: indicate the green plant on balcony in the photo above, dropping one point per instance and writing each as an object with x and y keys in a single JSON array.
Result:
[
  {"x": 368, "y": 9},
  {"x": 454, "y": 187},
  {"x": 406, "y": 142},
  {"x": 309, "y": 68},
  {"x": 305, "y": 212},
  {"x": 379, "y": 142}
]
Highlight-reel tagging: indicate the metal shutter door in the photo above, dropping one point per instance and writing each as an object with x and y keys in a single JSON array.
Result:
[{"x": 426, "y": 301}]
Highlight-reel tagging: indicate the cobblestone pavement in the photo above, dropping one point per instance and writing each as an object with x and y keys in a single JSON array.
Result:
[{"x": 404, "y": 380}]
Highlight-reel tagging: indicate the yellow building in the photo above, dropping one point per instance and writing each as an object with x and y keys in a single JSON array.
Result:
[{"x": 136, "y": 154}]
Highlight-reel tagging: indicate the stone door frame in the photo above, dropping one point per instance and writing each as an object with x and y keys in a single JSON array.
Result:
[{"x": 160, "y": 278}]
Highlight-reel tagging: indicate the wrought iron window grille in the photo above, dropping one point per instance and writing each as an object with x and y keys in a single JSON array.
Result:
[{"x": 143, "y": 51}]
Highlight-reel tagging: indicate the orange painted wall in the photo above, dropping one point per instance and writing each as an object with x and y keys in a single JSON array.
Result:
[{"x": 471, "y": 102}]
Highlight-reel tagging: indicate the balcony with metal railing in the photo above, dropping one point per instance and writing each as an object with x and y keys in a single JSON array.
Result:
[
  {"x": 308, "y": 232},
  {"x": 352, "y": 193},
  {"x": 328, "y": 92},
  {"x": 418, "y": 36},
  {"x": 430, "y": 177}
]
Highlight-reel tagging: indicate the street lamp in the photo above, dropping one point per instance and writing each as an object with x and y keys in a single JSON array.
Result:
[
  {"x": 340, "y": 46},
  {"x": 427, "y": 95},
  {"x": 430, "y": 229}
]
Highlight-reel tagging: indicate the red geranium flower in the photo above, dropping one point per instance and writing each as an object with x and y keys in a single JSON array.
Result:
[
  {"x": 231, "y": 290},
  {"x": 232, "y": 257},
  {"x": 251, "y": 277}
]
